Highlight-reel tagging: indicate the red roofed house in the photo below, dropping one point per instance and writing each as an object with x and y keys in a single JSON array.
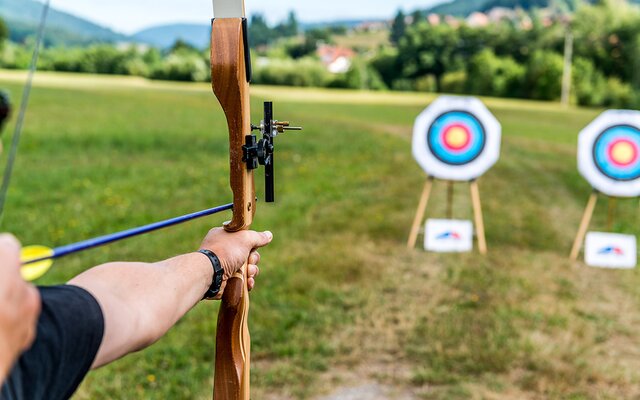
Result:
[{"x": 336, "y": 59}]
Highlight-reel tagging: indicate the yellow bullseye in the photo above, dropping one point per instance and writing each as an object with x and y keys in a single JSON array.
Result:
[
  {"x": 31, "y": 272},
  {"x": 623, "y": 153},
  {"x": 457, "y": 137}
]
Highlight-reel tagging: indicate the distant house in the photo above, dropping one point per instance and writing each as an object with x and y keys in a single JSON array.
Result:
[
  {"x": 526, "y": 23},
  {"x": 124, "y": 46},
  {"x": 452, "y": 21},
  {"x": 372, "y": 26},
  {"x": 478, "y": 20},
  {"x": 434, "y": 19},
  {"x": 336, "y": 59},
  {"x": 498, "y": 14}
]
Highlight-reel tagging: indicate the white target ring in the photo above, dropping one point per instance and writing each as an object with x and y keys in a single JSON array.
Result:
[
  {"x": 609, "y": 153},
  {"x": 457, "y": 139}
]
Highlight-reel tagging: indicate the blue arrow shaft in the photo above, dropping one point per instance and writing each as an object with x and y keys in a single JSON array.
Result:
[{"x": 116, "y": 237}]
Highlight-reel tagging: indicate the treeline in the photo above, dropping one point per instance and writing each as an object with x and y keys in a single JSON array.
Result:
[
  {"x": 506, "y": 60},
  {"x": 182, "y": 62},
  {"x": 282, "y": 56}
]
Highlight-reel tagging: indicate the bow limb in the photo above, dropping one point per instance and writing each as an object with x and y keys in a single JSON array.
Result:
[{"x": 231, "y": 86}]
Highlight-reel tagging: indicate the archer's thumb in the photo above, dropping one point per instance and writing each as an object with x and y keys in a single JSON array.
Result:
[{"x": 260, "y": 239}]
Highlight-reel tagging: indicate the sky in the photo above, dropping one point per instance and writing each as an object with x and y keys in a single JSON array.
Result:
[{"x": 129, "y": 16}]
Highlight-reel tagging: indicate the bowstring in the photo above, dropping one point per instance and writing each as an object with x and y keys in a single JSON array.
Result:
[{"x": 15, "y": 142}]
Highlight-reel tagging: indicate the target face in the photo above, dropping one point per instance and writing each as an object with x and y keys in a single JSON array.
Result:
[
  {"x": 456, "y": 138},
  {"x": 609, "y": 153}
]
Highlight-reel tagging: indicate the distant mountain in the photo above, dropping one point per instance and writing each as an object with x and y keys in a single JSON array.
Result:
[
  {"x": 166, "y": 35},
  {"x": 23, "y": 16},
  {"x": 199, "y": 35},
  {"x": 346, "y": 23},
  {"x": 466, "y": 7}
]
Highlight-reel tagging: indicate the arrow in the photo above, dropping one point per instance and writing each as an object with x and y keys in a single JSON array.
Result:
[{"x": 38, "y": 260}]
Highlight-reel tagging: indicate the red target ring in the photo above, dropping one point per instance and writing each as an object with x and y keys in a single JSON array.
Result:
[
  {"x": 456, "y": 137},
  {"x": 623, "y": 152}
]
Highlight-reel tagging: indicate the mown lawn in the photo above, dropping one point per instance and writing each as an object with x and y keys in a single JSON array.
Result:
[{"x": 340, "y": 300}]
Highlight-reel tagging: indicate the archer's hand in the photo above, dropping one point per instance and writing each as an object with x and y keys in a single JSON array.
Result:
[
  {"x": 234, "y": 249},
  {"x": 19, "y": 306}
]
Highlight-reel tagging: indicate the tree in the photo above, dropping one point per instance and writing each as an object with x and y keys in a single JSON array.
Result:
[
  {"x": 180, "y": 46},
  {"x": 429, "y": 50},
  {"x": 417, "y": 16},
  {"x": 312, "y": 39},
  {"x": 4, "y": 32},
  {"x": 259, "y": 32},
  {"x": 398, "y": 28},
  {"x": 290, "y": 27},
  {"x": 544, "y": 75},
  {"x": 490, "y": 75}
]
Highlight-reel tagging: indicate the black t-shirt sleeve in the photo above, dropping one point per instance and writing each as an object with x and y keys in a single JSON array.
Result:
[{"x": 70, "y": 331}]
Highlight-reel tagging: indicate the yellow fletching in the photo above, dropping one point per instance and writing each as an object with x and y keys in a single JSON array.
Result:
[{"x": 31, "y": 272}]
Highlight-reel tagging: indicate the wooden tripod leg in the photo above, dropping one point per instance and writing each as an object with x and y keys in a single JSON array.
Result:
[
  {"x": 584, "y": 226},
  {"x": 477, "y": 214},
  {"x": 424, "y": 200},
  {"x": 450, "y": 193},
  {"x": 611, "y": 213}
]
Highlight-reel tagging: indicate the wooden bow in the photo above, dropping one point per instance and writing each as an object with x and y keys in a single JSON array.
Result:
[{"x": 230, "y": 80}]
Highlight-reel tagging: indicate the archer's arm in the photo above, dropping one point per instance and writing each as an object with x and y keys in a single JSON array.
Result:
[{"x": 141, "y": 302}]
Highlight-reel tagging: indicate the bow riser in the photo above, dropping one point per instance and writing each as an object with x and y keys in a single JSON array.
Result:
[{"x": 231, "y": 86}]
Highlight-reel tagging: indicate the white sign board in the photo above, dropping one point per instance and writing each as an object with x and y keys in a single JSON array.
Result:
[
  {"x": 607, "y": 250},
  {"x": 448, "y": 236},
  {"x": 456, "y": 139},
  {"x": 609, "y": 153}
]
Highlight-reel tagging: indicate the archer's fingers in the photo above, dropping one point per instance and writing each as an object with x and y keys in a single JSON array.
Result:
[
  {"x": 8, "y": 242},
  {"x": 254, "y": 258},
  {"x": 9, "y": 247},
  {"x": 254, "y": 271},
  {"x": 251, "y": 283}
]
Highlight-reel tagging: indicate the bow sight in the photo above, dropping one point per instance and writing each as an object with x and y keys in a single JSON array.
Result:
[{"x": 260, "y": 152}]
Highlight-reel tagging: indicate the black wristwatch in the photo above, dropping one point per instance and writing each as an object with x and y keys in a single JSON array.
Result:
[{"x": 218, "y": 274}]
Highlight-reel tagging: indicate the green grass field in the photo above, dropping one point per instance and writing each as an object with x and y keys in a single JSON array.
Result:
[{"x": 341, "y": 301}]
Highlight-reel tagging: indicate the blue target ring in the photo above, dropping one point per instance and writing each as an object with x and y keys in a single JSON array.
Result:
[
  {"x": 456, "y": 138},
  {"x": 616, "y": 153}
]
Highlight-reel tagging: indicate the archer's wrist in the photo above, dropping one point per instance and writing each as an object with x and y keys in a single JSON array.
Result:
[
  {"x": 196, "y": 268},
  {"x": 217, "y": 274}
]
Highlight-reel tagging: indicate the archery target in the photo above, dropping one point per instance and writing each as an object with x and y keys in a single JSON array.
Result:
[
  {"x": 609, "y": 153},
  {"x": 456, "y": 138}
]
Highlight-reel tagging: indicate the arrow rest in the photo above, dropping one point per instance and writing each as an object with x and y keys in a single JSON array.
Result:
[{"x": 261, "y": 152}]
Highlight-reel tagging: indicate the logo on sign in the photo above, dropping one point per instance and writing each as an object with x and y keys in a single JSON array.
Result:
[
  {"x": 451, "y": 235},
  {"x": 612, "y": 250}
]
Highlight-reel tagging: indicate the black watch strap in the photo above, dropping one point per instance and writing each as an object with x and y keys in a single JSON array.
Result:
[{"x": 218, "y": 274}]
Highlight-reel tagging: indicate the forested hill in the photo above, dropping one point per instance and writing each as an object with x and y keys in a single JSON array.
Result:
[
  {"x": 23, "y": 15},
  {"x": 466, "y": 7}
]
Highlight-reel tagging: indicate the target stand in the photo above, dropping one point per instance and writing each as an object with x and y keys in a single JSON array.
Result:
[
  {"x": 609, "y": 159},
  {"x": 456, "y": 139},
  {"x": 477, "y": 213}
]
